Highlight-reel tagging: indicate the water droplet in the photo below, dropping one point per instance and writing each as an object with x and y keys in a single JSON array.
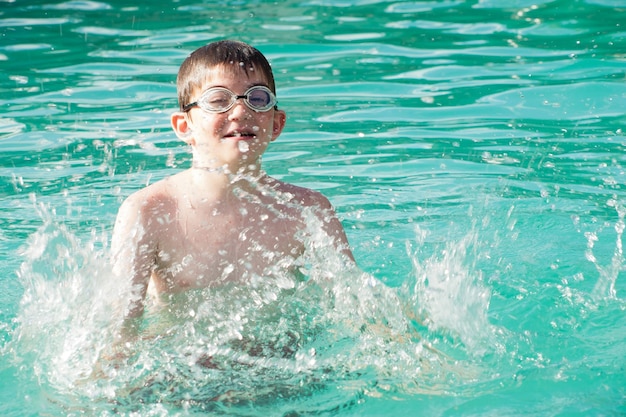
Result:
[{"x": 243, "y": 146}]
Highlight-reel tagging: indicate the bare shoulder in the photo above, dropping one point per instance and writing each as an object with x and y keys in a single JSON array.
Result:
[
  {"x": 323, "y": 209},
  {"x": 153, "y": 199},
  {"x": 304, "y": 196}
]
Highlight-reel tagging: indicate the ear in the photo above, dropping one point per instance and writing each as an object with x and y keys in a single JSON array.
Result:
[
  {"x": 280, "y": 118},
  {"x": 182, "y": 127}
]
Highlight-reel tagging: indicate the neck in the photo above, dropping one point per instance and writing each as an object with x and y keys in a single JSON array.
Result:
[
  {"x": 240, "y": 168},
  {"x": 222, "y": 178},
  {"x": 208, "y": 168}
]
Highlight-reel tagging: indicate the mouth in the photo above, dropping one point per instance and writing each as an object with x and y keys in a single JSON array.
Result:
[{"x": 243, "y": 135}]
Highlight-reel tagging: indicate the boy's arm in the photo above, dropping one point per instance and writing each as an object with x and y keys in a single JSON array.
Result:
[
  {"x": 333, "y": 227},
  {"x": 133, "y": 262},
  {"x": 133, "y": 257}
]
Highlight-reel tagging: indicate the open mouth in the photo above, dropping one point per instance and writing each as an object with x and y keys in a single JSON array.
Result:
[{"x": 240, "y": 135}]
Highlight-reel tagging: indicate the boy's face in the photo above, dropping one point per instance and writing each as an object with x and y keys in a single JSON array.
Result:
[{"x": 237, "y": 137}]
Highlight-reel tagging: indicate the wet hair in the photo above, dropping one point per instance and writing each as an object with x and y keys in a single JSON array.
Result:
[{"x": 192, "y": 72}]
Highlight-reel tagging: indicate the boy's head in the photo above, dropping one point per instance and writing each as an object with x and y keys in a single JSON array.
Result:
[{"x": 220, "y": 55}]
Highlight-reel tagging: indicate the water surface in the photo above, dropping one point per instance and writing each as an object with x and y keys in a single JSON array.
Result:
[{"x": 473, "y": 151}]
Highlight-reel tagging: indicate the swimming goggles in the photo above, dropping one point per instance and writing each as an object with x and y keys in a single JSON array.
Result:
[{"x": 219, "y": 99}]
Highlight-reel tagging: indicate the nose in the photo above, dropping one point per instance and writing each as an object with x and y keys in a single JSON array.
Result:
[{"x": 239, "y": 109}]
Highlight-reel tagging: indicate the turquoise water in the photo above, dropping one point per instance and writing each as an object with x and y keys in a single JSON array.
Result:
[{"x": 474, "y": 151}]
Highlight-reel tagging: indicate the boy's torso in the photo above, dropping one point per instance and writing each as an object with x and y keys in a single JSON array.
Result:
[{"x": 200, "y": 245}]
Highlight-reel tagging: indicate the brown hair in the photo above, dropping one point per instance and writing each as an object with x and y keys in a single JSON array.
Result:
[{"x": 192, "y": 72}]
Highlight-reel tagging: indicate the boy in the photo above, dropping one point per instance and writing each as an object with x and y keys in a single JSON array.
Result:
[{"x": 223, "y": 220}]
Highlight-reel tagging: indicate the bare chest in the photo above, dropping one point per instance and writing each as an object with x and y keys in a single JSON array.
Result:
[{"x": 199, "y": 250}]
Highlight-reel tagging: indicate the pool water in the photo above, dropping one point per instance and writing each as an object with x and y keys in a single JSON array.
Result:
[{"x": 473, "y": 150}]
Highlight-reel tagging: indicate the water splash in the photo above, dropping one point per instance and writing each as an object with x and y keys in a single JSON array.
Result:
[
  {"x": 448, "y": 293},
  {"x": 607, "y": 274},
  {"x": 332, "y": 332},
  {"x": 243, "y": 146}
]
